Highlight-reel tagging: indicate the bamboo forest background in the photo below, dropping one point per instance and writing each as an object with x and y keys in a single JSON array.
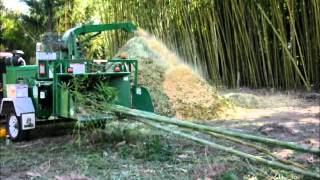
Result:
[{"x": 252, "y": 43}]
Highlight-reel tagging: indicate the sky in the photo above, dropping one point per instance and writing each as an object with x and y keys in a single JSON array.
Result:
[{"x": 16, "y": 5}]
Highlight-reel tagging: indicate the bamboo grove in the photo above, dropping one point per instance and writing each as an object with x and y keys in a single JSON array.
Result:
[{"x": 252, "y": 43}]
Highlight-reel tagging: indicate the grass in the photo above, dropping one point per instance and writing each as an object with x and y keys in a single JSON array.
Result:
[{"x": 125, "y": 151}]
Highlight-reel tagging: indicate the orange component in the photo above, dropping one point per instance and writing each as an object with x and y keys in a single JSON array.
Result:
[
  {"x": 3, "y": 132},
  {"x": 123, "y": 56}
]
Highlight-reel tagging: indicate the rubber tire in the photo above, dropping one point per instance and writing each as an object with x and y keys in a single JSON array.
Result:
[{"x": 22, "y": 134}]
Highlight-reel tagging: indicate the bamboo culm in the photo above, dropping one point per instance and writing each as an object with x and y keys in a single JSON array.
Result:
[
  {"x": 187, "y": 124},
  {"x": 254, "y": 146},
  {"x": 229, "y": 149}
]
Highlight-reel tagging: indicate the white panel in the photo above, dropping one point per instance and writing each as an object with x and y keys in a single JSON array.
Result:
[
  {"x": 46, "y": 55},
  {"x": 78, "y": 68},
  {"x": 126, "y": 78},
  {"x": 138, "y": 91},
  {"x": 28, "y": 121},
  {"x": 35, "y": 91},
  {"x": 21, "y": 105},
  {"x": 50, "y": 73},
  {"x": 17, "y": 90},
  {"x": 22, "y": 90},
  {"x": 42, "y": 95}
]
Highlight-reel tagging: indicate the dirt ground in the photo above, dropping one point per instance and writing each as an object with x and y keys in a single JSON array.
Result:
[
  {"x": 300, "y": 122},
  {"x": 292, "y": 116},
  {"x": 132, "y": 151}
]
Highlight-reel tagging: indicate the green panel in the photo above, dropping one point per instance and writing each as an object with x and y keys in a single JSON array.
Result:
[
  {"x": 25, "y": 73},
  {"x": 43, "y": 106},
  {"x": 64, "y": 103},
  {"x": 141, "y": 100},
  {"x": 19, "y": 74},
  {"x": 122, "y": 84}
]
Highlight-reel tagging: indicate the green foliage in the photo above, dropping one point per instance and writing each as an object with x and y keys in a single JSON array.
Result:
[
  {"x": 92, "y": 95},
  {"x": 13, "y": 35},
  {"x": 155, "y": 148},
  {"x": 43, "y": 14},
  {"x": 22, "y": 31},
  {"x": 2, "y": 48}
]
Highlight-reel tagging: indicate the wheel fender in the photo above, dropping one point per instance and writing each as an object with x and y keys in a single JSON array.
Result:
[{"x": 20, "y": 105}]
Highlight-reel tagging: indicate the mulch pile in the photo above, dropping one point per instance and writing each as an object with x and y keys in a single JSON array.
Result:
[{"x": 175, "y": 88}]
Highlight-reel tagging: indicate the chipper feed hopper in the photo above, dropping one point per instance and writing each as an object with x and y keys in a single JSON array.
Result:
[{"x": 34, "y": 93}]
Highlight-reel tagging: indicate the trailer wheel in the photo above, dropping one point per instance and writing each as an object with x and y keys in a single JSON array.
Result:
[{"x": 14, "y": 128}]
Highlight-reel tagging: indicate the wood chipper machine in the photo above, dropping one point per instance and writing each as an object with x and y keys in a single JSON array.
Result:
[{"x": 33, "y": 93}]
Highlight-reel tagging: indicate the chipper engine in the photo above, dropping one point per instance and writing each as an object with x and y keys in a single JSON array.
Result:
[{"x": 33, "y": 93}]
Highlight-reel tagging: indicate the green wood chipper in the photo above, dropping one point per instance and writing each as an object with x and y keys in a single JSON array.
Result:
[{"x": 33, "y": 93}]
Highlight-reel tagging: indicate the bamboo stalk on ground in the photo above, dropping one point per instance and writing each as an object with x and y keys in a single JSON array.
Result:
[
  {"x": 254, "y": 146},
  {"x": 190, "y": 125},
  {"x": 229, "y": 149},
  {"x": 258, "y": 148}
]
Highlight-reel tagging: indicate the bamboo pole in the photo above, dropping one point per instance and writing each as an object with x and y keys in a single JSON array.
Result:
[
  {"x": 187, "y": 124},
  {"x": 258, "y": 148},
  {"x": 230, "y": 149},
  {"x": 254, "y": 146},
  {"x": 284, "y": 45}
]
